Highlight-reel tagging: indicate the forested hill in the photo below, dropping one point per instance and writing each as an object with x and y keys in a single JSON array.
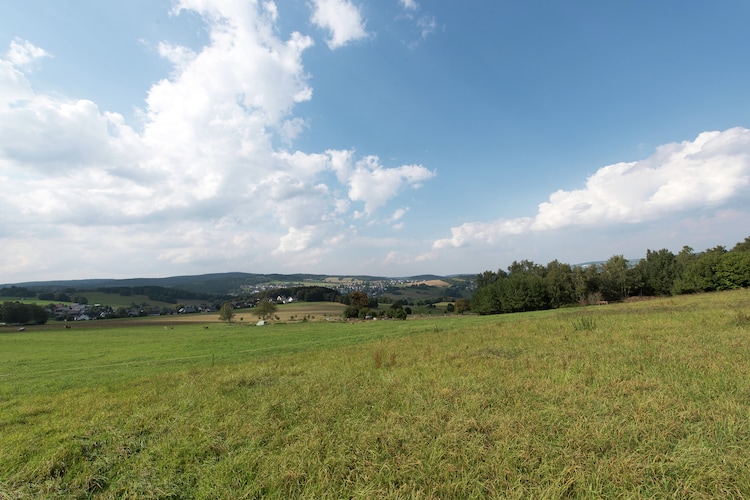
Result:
[{"x": 214, "y": 284}]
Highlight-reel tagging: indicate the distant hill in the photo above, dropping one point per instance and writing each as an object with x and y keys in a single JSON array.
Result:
[{"x": 216, "y": 284}]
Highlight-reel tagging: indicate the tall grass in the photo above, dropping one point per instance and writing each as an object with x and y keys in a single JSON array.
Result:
[{"x": 652, "y": 401}]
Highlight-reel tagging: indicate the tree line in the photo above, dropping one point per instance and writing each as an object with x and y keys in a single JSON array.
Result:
[
  {"x": 527, "y": 286},
  {"x": 16, "y": 313},
  {"x": 159, "y": 293},
  {"x": 156, "y": 293}
]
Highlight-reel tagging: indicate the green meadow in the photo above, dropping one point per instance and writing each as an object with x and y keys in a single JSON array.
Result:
[
  {"x": 113, "y": 300},
  {"x": 639, "y": 400}
]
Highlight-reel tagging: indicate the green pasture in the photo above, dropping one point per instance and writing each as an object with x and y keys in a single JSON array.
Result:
[
  {"x": 113, "y": 300},
  {"x": 639, "y": 400},
  {"x": 116, "y": 300},
  {"x": 27, "y": 300},
  {"x": 311, "y": 311}
]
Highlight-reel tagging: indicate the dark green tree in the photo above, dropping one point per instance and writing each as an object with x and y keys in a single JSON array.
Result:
[
  {"x": 16, "y": 313},
  {"x": 700, "y": 275},
  {"x": 659, "y": 270},
  {"x": 734, "y": 270},
  {"x": 614, "y": 278},
  {"x": 559, "y": 285},
  {"x": 743, "y": 246},
  {"x": 486, "y": 300}
]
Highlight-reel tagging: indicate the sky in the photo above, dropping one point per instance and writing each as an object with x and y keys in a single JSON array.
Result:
[{"x": 153, "y": 138}]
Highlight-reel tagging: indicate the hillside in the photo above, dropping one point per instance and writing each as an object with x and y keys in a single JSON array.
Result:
[{"x": 226, "y": 283}]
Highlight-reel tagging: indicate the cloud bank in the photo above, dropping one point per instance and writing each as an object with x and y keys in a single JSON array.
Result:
[{"x": 712, "y": 170}]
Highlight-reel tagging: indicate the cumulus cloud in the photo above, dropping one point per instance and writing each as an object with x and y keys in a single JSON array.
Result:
[
  {"x": 204, "y": 157},
  {"x": 341, "y": 18},
  {"x": 373, "y": 184},
  {"x": 709, "y": 171}
]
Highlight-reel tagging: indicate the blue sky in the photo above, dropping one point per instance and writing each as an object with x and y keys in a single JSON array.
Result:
[{"x": 397, "y": 137}]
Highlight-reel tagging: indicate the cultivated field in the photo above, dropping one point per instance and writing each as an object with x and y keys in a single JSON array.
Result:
[{"x": 638, "y": 400}]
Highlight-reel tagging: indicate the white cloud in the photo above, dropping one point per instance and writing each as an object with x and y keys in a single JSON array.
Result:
[
  {"x": 23, "y": 54},
  {"x": 398, "y": 214},
  {"x": 367, "y": 179},
  {"x": 200, "y": 176},
  {"x": 712, "y": 170},
  {"x": 341, "y": 18},
  {"x": 14, "y": 86},
  {"x": 296, "y": 240},
  {"x": 373, "y": 184}
]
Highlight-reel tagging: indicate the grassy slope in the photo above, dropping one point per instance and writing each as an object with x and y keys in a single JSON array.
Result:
[{"x": 644, "y": 399}]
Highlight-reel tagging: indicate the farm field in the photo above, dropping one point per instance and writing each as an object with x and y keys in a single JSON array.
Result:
[
  {"x": 295, "y": 312},
  {"x": 644, "y": 399}
]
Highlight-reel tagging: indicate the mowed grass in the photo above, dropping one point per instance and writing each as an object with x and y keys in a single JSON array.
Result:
[{"x": 647, "y": 399}]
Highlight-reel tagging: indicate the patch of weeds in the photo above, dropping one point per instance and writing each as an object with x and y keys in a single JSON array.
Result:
[
  {"x": 248, "y": 382},
  {"x": 498, "y": 352},
  {"x": 584, "y": 324},
  {"x": 378, "y": 358},
  {"x": 741, "y": 318}
]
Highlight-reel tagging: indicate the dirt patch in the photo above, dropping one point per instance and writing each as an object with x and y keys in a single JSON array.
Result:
[{"x": 433, "y": 283}]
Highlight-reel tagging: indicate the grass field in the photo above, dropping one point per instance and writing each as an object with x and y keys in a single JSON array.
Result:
[
  {"x": 113, "y": 300},
  {"x": 638, "y": 400}
]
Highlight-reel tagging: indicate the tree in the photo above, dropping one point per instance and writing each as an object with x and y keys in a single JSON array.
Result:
[
  {"x": 462, "y": 305},
  {"x": 486, "y": 300},
  {"x": 614, "y": 276},
  {"x": 226, "y": 313},
  {"x": 660, "y": 268},
  {"x": 396, "y": 311},
  {"x": 734, "y": 270},
  {"x": 558, "y": 281},
  {"x": 700, "y": 275},
  {"x": 265, "y": 309},
  {"x": 22, "y": 314},
  {"x": 38, "y": 315},
  {"x": 743, "y": 246},
  {"x": 358, "y": 305},
  {"x": 359, "y": 300},
  {"x": 350, "y": 312}
]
